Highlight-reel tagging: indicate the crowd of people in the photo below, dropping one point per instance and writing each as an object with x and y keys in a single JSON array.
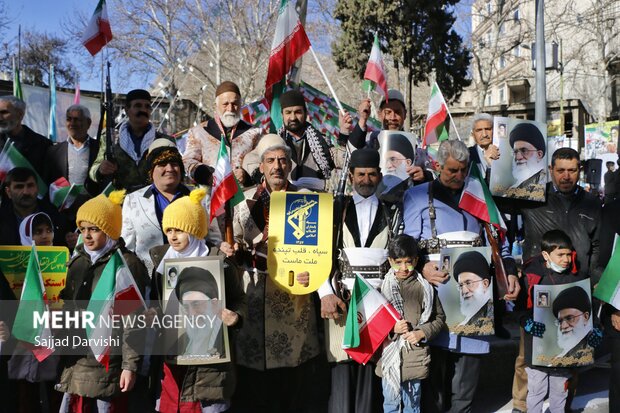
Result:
[{"x": 286, "y": 350}]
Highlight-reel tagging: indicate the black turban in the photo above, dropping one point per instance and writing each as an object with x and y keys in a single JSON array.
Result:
[
  {"x": 196, "y": 279},
  {"x": 572, "y": 297},
  {"x": 471, "y": 261},
  {"x": 528, "y": 132},
  {"x": 400, "y": 143}
]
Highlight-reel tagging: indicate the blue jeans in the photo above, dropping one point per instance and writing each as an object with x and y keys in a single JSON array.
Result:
[{"x": 409, "y": 395}]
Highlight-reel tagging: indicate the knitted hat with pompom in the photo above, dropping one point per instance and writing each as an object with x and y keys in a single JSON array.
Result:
[
  {"x": 105, "y": 212},
  {"x": 187, "y": 214}
]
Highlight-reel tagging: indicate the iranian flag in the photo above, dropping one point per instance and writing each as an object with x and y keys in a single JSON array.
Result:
[
  {"x": 477, "y": 200},
  {"x": 33, "y": 301},
  {"x": 62, "y": 193},
  {"x": 10, "y": 158},
  {"x": 289, "y": 44},
  {"x": 369, "y": 320},
  {"x": 436, "y": 127},
  {"x": 375, "y": 75},
  {"x": 608, "y": 288},
  {"x": 225, "y": 186},
  {"x": 116, "y": 294},
  {"x": 98, "y": 32}
]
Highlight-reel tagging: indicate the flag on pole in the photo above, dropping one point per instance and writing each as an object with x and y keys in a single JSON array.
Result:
[
  {"x": 608, "y": 287},
  {"x": 98, "y": 32},
  {"x": 369, "y": 320},
  {"x": 63, "y": 194},
  {"x": 17, "y": 84},
  {"x": 289, "y": 44},
  {"x": 225, "y": 186},
  {"x": 116, "y": 294},
  {"x": 476, "y": 199},
  {"x": 436, "y": 128},
  {"x": 52, "y": 134},
  {"x": 33, "y": 301},
  {"x": 10, "y": 158},
  {"x": 375, "y": 75}
]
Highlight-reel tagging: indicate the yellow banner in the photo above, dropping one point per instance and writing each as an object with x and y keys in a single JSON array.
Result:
[
  {"x": 300, "y": 239},
  {"x": 53, "y": 263}
]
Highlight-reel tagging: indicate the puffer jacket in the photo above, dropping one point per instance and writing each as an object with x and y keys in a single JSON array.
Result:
[
  {"x": 416, "y": 361},
  {"x": 84, "y": 375},
  {"x": 577, "y": 214},
  {"x": 213, "y": 382}
]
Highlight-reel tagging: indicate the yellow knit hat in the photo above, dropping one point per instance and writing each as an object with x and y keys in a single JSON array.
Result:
[
  {"x": 105, "y": 212},
  {"x": 187, "y": 214}
]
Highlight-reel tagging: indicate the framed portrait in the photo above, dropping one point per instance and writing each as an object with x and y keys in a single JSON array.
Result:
[
  {"x": 467, "y": 295},
  {"x": 567, "y": 316},
  {"x": 397, "y": 151},
  {"x": 521, "y": 170},
  {"x": 194, "y": 297}
]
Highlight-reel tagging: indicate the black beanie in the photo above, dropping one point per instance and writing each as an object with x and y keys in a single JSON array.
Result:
[
  {"x": 364, "y": 158},
  {"x": 292, "y": 98}
]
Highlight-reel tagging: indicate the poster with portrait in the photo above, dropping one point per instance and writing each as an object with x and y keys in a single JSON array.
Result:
[
  {"x": 467, "y": 295},
  {"x": 53, "y": 263},
  {"x": 397, "y": 152},
  {"x": 300, "y": 239},
  {"x": 194, "y": 297},
  {"x": 601, "y": 139},
  {"x": 521, "y": 170},
  {"x": 566, "y": 312}
]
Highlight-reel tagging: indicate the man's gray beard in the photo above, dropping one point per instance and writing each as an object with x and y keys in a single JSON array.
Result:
[
  {"x": 570, "y": 340},
  {"x": 472, "y": 305},
  {"x": 230, "y": 119},
  {"x": 10, "y": 125},
  {"x": 522, "y": 172}
]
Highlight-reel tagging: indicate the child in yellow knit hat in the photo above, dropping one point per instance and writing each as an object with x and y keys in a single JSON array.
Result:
[
  {"x": 88, "y": 384},
  {"x": 186, "y": 224}
]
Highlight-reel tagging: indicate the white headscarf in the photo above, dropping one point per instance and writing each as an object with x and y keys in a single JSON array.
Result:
[
  {"x": 25, "y": 228},
  {"x": 95, "y": 255},
  {"x": 195, "y": 248}
]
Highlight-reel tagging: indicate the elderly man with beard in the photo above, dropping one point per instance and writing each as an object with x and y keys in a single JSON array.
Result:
[
  {"x": 280, "y": 362},
  {"x": 432, "y": 215},
  {"x": 572, "y": 309},
  {"x": 471, "y": 272},
  {"x": 313, "y": 160},
  {"x": 29, "y": 143},
  {"x": 204, "y": 140},
  {"x": 128, "y": 169},
  {"x": 362, "y": 247},
  {"x": 392, "y": 114},
  {"x": 529, "y": 162}
]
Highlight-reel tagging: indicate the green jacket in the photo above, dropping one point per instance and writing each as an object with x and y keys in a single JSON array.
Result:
[{"x": 129, "y": 176}]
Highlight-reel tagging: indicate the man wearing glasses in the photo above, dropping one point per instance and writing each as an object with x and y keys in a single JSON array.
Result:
[
  {"x": 529, "y": 161},
  {"x": 572, "y": 311},
  {"x": 471, "y": 272}
]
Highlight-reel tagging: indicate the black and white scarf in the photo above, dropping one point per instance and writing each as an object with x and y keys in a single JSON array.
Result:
[
  {"x": 318, "y": 148},
  {"x": 127, "y": 145}
]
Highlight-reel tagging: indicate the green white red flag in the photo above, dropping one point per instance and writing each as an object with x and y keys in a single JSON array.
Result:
[
  {"x": 98, "y": 32},
  {"x": 62, "y": 193},
  {"x": 225, "y": 186},
  {"x": 476, "y": 199},
  {"x": 608, "y": 288},
  {"x": 33, "y": 301},
  {"x": 116, "y": 294},
  {"x": 436, "y": 127},
  {"x": 17, "y": 83},
  {"x": 369, "y": 320},
  {"x": 289, "y": 44},
  {"x": 375, "y": 75},
  {"x": 11, "y": 158}
]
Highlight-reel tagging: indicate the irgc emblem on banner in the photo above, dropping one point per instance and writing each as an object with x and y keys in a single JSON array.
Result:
[{"x": 300, "y": 239}]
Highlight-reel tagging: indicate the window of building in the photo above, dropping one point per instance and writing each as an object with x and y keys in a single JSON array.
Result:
[
  {"x": 502, "y": 96},
  {"x": 516, "y": 51},
  {"x": 489, "y": 98},
  {"x": 515, "y": 15},
  {"x": 489, "y": 7},
  {"x": 502, "y": 62},
  {"x": 502, "y": 29}
]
